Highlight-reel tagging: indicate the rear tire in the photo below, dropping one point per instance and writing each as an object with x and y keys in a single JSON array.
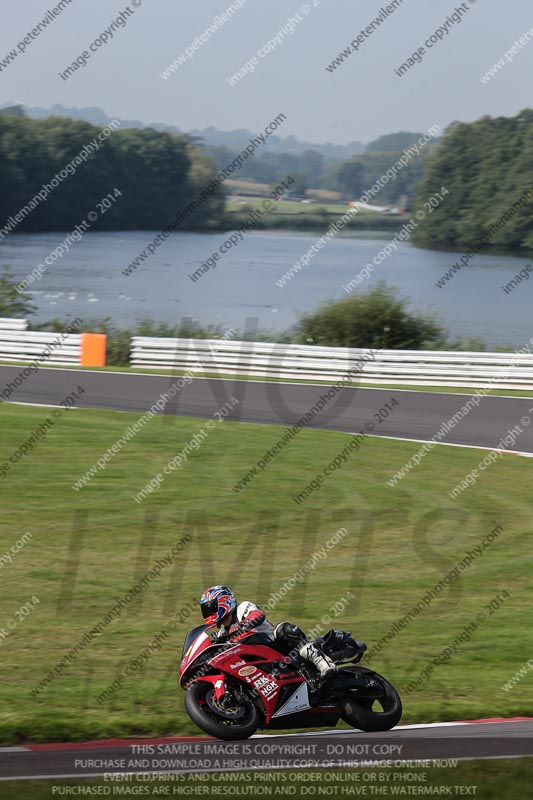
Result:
[
  {"x": 198, "y": 704},
  {"x": 370, "y": 715}
]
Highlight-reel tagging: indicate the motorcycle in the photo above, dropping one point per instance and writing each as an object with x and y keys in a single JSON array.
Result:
[{"x": 232, "y": 689}]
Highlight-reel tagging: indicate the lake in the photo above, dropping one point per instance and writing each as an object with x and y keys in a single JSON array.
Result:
[{"x": 88, "y": 281}]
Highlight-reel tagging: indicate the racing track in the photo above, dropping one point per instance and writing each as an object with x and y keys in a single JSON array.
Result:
[
  {"x": 418, "y": 416},
  {"x": 330, "y": 749}
]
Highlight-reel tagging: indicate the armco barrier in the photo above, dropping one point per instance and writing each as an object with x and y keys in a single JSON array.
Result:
[
  {"x": 17, "y": 343},
  {"x": 316, "y": 363}
]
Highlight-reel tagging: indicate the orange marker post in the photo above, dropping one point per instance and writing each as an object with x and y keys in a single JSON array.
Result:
[{"x": 93, "y": 349}]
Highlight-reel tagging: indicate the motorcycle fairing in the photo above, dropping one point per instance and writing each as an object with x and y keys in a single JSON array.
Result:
[
  {"x": 256, "y": 673},
  {"x": 298, "y": 701},
  {"x": 352, "y": 678},
  {"x": 261, "y": 653},
  {"x": 218, "y": 682}
]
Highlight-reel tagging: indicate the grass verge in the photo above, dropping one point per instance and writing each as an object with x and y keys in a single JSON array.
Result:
[{"x": 88, "y": 548}]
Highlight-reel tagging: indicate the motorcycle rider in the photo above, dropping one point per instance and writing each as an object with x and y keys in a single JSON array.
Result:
[{"x": 245, "y": 620}]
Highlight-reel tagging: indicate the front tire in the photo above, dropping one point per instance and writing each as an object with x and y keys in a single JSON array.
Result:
[
  {"x": 237, "y": 722},
  {"x": 372, "y": 714}
]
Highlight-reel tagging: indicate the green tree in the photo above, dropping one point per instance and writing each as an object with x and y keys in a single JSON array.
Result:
[
  {"x": 486, "y": 167},
  {"x": 376, "y": 318},
  {"x": 393, "y": 142},
  {"x": 16, "y": 110},
  {"x": 158, "y": 174},
  {"x": 300, "y": 186},
  {"x": 312, "y": 163},
  {"x": 12, "y": 302},
  {"x": 350, "y": 179}
]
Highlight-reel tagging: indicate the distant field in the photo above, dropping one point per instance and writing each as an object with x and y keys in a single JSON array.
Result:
[
  {"x": 325, "y": 195},
  {"x": 89, "y": 547},
  {"x": 297, "y": 215},
  {"x": 247, "y": 186},
  {"x": 294, "y": 207},
  {"x": 289, "y": 206}
]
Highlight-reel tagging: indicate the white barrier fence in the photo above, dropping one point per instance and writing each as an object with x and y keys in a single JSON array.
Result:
[
  {"x": 19, "y": 344},
  {"x": 267, "y": 360},
  {"x": 310, "y": 363}
]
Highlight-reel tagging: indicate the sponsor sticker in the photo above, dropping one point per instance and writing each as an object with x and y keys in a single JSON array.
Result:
[{"x": 246, "y": 671}]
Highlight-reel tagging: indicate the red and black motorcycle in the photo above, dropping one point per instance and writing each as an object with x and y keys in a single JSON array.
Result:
[{"x": 234, "y": 689}]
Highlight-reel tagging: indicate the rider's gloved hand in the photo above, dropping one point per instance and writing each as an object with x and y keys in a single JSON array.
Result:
[{"x": 237, "y": 629}]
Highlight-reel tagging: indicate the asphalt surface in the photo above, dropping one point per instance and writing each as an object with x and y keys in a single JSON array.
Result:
[
  {"x": 402, "y": 747},
  {"x": 418, "y": 415}
]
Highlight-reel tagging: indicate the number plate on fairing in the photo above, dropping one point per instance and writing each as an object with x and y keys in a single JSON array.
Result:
[{"x": 299, "y": 701}]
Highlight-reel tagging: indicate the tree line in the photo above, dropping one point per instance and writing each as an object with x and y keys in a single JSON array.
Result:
[
  {"x": 157, "y": 174},
  {"x": 487, "y": 167},
  {"x": 349, "y": 177}
]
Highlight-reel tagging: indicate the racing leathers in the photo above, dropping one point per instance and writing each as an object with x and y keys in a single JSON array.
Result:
[{"x": 249, "y": 623}]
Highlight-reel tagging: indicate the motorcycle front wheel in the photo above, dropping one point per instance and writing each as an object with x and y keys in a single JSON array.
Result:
[
  {"x": 378, "y": 709},
  {"x": 235, "y": 716}
]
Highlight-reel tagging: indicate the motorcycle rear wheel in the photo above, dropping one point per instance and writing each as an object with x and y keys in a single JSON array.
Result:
[
  {"x": 199, "y": 702},
  {"x": 364, "y": 712}
]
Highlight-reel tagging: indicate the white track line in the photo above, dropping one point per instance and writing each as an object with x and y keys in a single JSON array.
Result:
[
  {"x": 356, "y": 730},
  {"x": 522, "y": 453},
  {"x": 525, "y": 454},
  {"x": 37, "y": 405},
  {"x": 414, "y": 726},
  {"x": 14, "y": 749}
]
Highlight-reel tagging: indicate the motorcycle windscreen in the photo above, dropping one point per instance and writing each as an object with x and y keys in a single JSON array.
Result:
[{"x": 191, "y": 636}]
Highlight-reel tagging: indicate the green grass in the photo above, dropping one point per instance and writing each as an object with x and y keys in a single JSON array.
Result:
[
  {"x": 505, "y": 779},
  {"x": 294, "y": 215},
  {"x": 263, "y": 190},
  {"x": 400, "y": 542}
]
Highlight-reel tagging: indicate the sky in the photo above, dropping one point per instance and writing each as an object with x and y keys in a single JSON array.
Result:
[{"x": 362, "y": 99}]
